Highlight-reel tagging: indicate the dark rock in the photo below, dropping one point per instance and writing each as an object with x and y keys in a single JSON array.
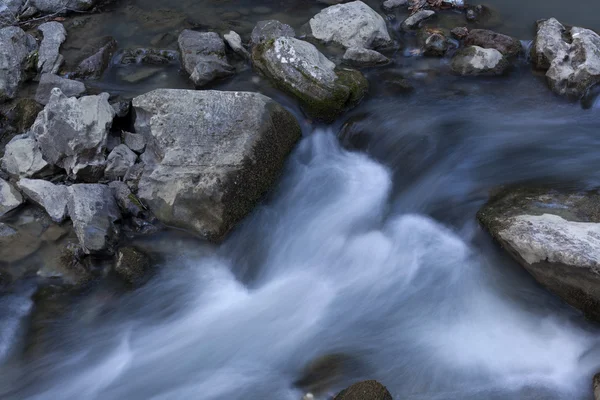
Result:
[
  {"x": 94, "y": 66},
  {"x": 214, "y": 154},
  {"x": 121, "y": 108},
  {"x": 147, "y": 56},
  {"x": 132, "y": 265},
  {"x": 323, "y": 373},
  {"x": 133, "y": 176},
  {"x": 508, "y": 46},
  {"x": 414, "y": 21},
  {"x": 16, "y": 117},
  {"x": 367, "y": 390},
  {"x": 271, "y": 29},
  {"x": 555, "y": 236},
  {"x": 596, "y": 386},
  {"x": 436, "y": 45},
  {"x": 128, "y": 202},
  {"x": 460, "y": 32},
  {"x": 203, "y": 56}
]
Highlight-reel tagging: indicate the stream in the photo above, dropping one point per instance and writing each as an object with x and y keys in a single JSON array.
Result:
[{"x": 367, "y": 247}]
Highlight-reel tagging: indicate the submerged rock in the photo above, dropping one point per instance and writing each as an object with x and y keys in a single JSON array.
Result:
[
  {"x": 96, "y": 63},
  {"x": 360, "y": 57},
  {"x": 23, "y": 158},
  {"x": 367, "y": 390},
  {"x": 147, "y": 56},
  {"x": 571, "y": 57},
  {"x": 322, "y": 373},
  {"x": 10, "y": 198},
  {"x": 270, "y": 29},
  {"x": 508, "y": 46},
  {"x": 68, "y": 87},
  {"x": 71, "y": 132},
  {"x": 132, "y": 265},
  {"x": 49, "y": 59},
  {"x": 436, "y": 45},
  {"x": 16, "y": 245},
  {"x": 474, "y": 60},
  {"x": 555, "y": 236},
  {"x": 214, "y": 154},
  {"x": 596, "y": 386},
  {"x": 16, "y": 117},
  {"x": 17, "y": 56},
  {"x": 94, "y": 211},
  {"x": 203, "y": 56},
  {"x": 414, "y": 21},
  {"x": 460, "y": 32},
  {"x": 352, "y": 24},
  {"x": 52, "y": 198},
  {"x": 298, "y": 68}
]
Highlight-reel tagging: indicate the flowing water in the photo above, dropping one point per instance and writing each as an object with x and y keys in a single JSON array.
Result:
[{"x": 370, "y": 250}]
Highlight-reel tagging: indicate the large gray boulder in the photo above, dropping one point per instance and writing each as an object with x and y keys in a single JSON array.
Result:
[
  {"x": 49, "y": 57},
  {"x": 69, "y": 87},
  {"x": 17, "y": 54},
  {"x": 62, "y": 6},
  {"x": 214, "y": 154},
  {"x": 298, "y": 68},
  {"x": 23, "y": 158},
  {"x": 203, "y": 56},
  {"x": 474, "y": 60},
  {"x": 571, "y": 57},
  {"x": 71, "y": 132},
  {"x": 94, "y": 211},
  {"x": 52, "y": 198},
  {"x": 352, "y": 24},
  {"x": 555, "y": 236},
  {"x": 10, "y": 198},
  {"x": 367, "y": 390}
]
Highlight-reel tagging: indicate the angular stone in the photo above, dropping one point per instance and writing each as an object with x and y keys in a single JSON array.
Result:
[
  {"x": 52, "y": 198},
  {"x": 49, "y": 58},
  {"x": 215, "y": 155},
  {"x": 127, "y": 201},
  {"x": 436, "y": 45},
  {"x": 235, "y": 42},
  {"x": 72, "y": 132},
  {"x": 68, "y": 87},
  {"x": 94, "y": 66},
  {"x": 391, "y": 4},
  {"x": 10, "y": 198},
  {"x": 94, "y": 211},
  {"x": 17, "y": 52},
  {"x": 203, "y": 56},
  {"x": 352, "y": 24},
  {"x": 414, "y": 21},
  {"x": 270, "y": 29},
  {"x": 360, "y": 57},
  {"x": 23, "y": 158},
  {"x": 134, "y": 141},
  {"x": 549, "y": 43},
  {"x": 474, "y": 60},
  {"x": 298, "y": 68},
  {"x": 118, "y": 162},
  {"x": 62, "y": 6},
  {"x": 508, "y": 46},
  {"x": 555, "y": 236}
]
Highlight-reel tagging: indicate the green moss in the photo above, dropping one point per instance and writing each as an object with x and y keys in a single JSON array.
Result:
[{"x": 135, "y": 200}]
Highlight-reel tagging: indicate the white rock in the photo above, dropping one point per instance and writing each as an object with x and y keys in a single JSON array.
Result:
[
  {"x": 49, "y": 57},
  {"x": 23, "y": 158},
  {"x": 235, "y": 42}
]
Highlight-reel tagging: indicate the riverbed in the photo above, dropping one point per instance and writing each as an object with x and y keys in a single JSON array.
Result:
[{"x": 368, "y": 246}]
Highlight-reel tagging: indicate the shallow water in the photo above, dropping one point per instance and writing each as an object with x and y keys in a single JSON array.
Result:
[{"x": 373, "y": 253}]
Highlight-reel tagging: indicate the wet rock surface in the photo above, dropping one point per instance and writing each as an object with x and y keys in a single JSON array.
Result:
[
  {"x": 359, "y": 57},
  {"x": 205, "y": 179},
  {"x": 352, "y": 24},
  {"x": 555, "y": 236},
  {"x": 203, "y": 56},
  {"x": 508, "y": 46},
  {"x": 367, "y": 390},
  {"x": 52, "y": 198},
  {"x": 474, "y": 60},
  {"x": 132, "y": 265},
  {"x": 298, "y": 68}
]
